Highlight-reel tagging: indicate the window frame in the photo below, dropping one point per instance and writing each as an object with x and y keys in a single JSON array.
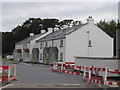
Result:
[
  {"x": 89, "y": 43},
  {"x": 61, "y": 56},
  {"x": 41, "y": 45},
  {"x": 61, "y": 43},
  {"x": 46, "y": 43}
]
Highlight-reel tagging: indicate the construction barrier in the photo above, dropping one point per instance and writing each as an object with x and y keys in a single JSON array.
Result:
[
  {"x": 7, "y": 73},
  {"x": 87, "y": 73}
]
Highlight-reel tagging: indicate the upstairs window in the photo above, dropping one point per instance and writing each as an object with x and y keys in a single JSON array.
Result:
[
  {"x": 52, "y": 43},
  {"x": 25, "y": 45},
  {"x": 61, "y": 43},
  {"x": 41, "y": 45},
  {"x": 90, "y": 43},
  {"x": 46, "y": 43}
]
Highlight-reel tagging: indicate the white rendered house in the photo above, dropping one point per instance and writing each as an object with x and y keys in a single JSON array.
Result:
[
  {"x": 27, "y": 50},
  {"x": 84, "y": 40}
]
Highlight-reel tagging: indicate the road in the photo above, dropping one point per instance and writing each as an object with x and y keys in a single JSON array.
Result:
[
  {"x": 42, "y": 74},
  {"x": 39, "y": 75}
]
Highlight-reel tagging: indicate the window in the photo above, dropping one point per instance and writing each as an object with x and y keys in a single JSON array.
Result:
[
  {"x": 61, "y": 43},
  {"x": 52, "y": 43},
  {"x": 90, "y": 43},
  {"x": 46, "y": 44},
  {"x": 40, "y": 56},
  {"x": 61, "y": 56},
  {"x": 25, "y": 45},
  {"x": 41, "y": 45}
]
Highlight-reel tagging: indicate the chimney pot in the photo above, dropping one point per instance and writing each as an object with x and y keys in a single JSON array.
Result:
[
  {"x": 43, "y": 31},
  {"x": 31, "y": 34},
  {"x": 90, "y": 20}
]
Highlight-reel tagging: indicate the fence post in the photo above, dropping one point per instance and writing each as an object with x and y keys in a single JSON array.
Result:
[
  {"x": 90, "y": 73},
  {"x": 15, "y": 71},
  {"x": 62, "y": 66},
  {"x": 105, "y": 76},
  {"x": 84, "y": 74},
  {"x": 54, "y": 66},
  {"x": 8, "y": 72}
]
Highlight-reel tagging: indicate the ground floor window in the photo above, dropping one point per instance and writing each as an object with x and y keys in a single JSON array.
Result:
[{"x": 61, "y": 56}]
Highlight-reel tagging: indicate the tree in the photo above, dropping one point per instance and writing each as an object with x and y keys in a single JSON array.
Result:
[
  {"x": 108, "y": 27},
  {"x": 66, "y": 21},
  {"x": 7, "y": 42},
  {"x": 49, "y": 23},
  {"x": 34, "y": 25}
]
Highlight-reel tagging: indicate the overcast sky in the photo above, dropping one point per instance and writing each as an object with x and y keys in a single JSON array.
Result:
[{"x": 15, "y": 13}]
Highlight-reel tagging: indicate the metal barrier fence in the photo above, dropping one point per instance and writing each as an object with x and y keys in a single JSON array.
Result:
[
  {"x": 87, "y": 73},
  {"x": 7, "y": 73}
]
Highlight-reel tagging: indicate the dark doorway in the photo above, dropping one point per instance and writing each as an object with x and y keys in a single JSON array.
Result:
[
  {"x": 50, "y": 55},
  {"x": 35, "y": 55}
]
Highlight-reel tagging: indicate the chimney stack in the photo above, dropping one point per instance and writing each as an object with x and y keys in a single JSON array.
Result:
[
  {"x": 65, "y": 26},
  {"x": 56, "y": 28},
  {"x": 31, "y": 34},
  {"x": 50, "y": 29},
  {"x": 90, "y": 20},
  {"x": 43, "y": 31}
]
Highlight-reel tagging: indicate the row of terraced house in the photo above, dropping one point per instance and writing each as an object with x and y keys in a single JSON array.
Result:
[{"x": 62, "y": 45}]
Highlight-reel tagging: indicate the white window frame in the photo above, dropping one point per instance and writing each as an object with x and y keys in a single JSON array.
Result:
[
  {"x": 61, "y": 43},
  {"x": 41, "y": 45}
]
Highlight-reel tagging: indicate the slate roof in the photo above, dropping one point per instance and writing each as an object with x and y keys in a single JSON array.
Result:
[
  {"x": 28, "y": 39},
  {"x": 60, "y": 33}
]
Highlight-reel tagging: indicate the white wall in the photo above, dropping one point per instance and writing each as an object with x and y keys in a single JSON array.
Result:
[
  {"x": 60, "y": 49},
  {"x": 98, "y": 63},
  {"x": 56, "y": 43},
  {"x": 77, "y": 43}
]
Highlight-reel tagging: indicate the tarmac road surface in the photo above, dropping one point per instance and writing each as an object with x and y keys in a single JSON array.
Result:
[{"x": 42, "y": 74}]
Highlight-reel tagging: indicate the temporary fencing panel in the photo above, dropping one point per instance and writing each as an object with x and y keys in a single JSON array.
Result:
[
  {"x": 88, "y": 73},
  {"x": 8, "y": 73}
]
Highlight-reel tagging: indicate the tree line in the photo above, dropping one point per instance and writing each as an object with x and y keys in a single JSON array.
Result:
[{"x": 35, "y": 25}]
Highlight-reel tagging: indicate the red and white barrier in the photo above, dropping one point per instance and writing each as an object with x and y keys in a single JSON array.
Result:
[
  {"x": 9, "y": 76},
  {"x": 100, "y": 80},
  {"x": 65, "y": 71},
  {"x": 87, "y": 72}
]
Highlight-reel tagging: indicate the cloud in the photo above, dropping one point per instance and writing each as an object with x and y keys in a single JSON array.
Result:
[
  {"x": 15, "y": 13},
  {"x": 59, "y": 0}
]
